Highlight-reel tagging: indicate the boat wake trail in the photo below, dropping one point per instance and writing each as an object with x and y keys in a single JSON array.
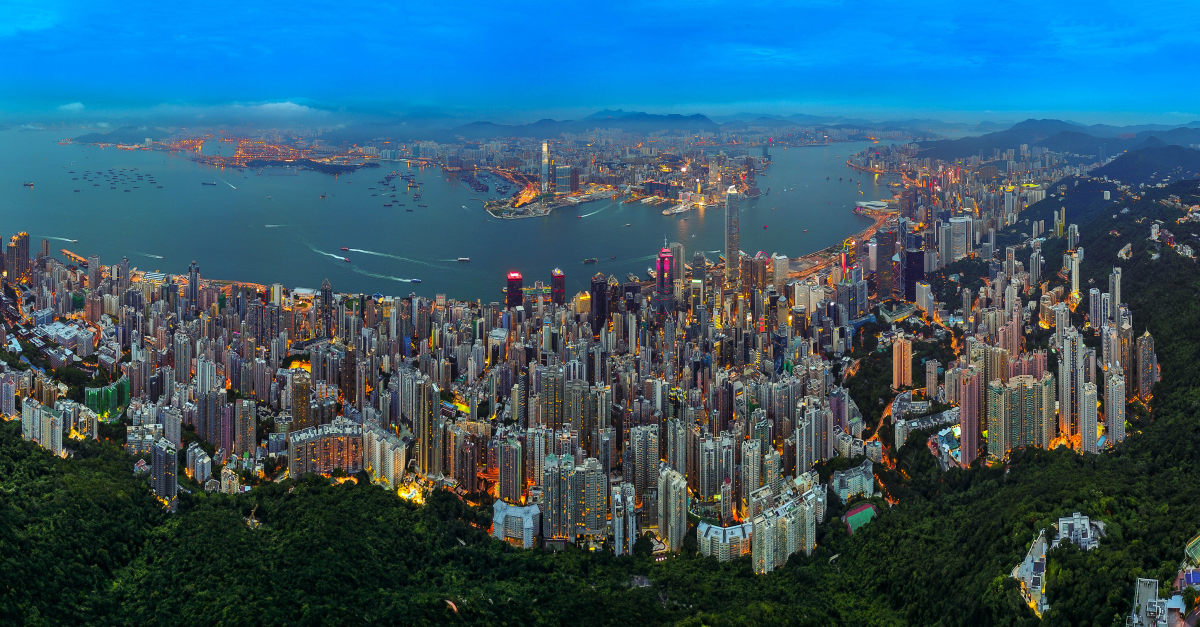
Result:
[
  {"x": 321, "y": 252},
  {"x": 63, "y": 239},
  {"x": 375, "y": 275},
  {"x": 588, "y": 215},
  {"x": 151, "y": 256},
  {"x": 391, "y": 256},
  {"x": 229, "y": 184},
  {"x": 273, "y": 226}
]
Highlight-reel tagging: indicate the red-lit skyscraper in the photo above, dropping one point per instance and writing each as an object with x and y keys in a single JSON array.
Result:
[
  {"x": 558, "y": 287},
  {"x": 514, "y": 296},
  {"x": 664, "y": 291}
]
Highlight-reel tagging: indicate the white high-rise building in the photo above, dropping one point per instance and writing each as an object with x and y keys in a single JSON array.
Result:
[
  {"x": 672, "y": 508},
  {"x": 1114, "y": 405},
  {"x": 1087, "y": 418},
  {"x": 732, "y": 237}
]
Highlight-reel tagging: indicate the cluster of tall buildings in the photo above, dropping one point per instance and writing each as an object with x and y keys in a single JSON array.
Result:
[{"x": 709, "y": 392}]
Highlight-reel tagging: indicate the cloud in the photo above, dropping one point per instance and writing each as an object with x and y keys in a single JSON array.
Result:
[
  {"x": 71, "y": 107},
  {"x": 286, "y": 107}
]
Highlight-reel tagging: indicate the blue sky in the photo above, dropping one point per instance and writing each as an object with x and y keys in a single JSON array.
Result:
[{"x": 1118, "y": 61}]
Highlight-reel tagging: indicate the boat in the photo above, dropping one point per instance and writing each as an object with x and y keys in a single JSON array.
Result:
[
  {"x": 423, "y": 206},
  {"x": 628, "y": 224},
  {"x": 633, "y": 278},
  {"x": 590, "y": 260},
  {"x": 28, "y": 184},
  {"x": 611, "y": 257},
  {"x": 345, "y": 248},
  {"x": 409, "y": 210},
  {"x": 213, "y": 183},
  {"x": 346, "y": 259},
  {"x": 580, "y": 217},
  {"x": 414, "y": 280},
  {"x": 464, "y": 260}
]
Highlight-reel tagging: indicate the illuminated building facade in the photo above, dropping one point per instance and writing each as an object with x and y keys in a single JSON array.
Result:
[{"x": 326, "y": 448}]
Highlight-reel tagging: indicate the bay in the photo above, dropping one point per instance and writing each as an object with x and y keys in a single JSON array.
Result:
[{"x": 273, "y": 225}]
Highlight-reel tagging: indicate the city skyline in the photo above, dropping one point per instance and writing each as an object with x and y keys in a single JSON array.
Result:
[{"x": 958, "y": 62}]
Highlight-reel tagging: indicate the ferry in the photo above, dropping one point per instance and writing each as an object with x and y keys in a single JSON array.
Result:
[
  {"x": 345, "y": 248},
  {"x": 346, "y": 259},
  {"x": 414, "y": 280},
  {"x": 464, "y": 260}
]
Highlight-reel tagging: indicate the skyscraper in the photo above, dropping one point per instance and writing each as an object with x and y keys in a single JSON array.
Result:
[
  {"x": 545, "y": 172},
  {"x": 1087, "y": 419},
  {"x": 301, "y": 407},
  {"x": 1114, "y": 290},
  {"x": 589, "y": 500},
  {"x": 1147, "y": 366},
  {"x": 244, "y": 431},
  {"x": 193, "y": 289},
  {"x": 732, "y": 237},
  {"x": 326, "y": 308},
  {"x": 1114, "y": 405},
  {"x": 558, "y": 287},
  {"x": 672, "y": 508},
  {"x": 664, "y": 291},
  {"x": 514, "y": 296},
  {"x": 624, "y": 518},
  {"x": 598, "y": 317},
  {"x": 970, "y": 385},
  {"x": 512, "y": 478},
  {"x": 901, "y": 363},
  {"x": 163, "y": 468}
]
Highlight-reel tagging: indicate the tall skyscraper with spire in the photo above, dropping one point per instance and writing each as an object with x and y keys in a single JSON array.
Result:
[
  {"x": 327, "y": 308},
  {"x": 193, "y": 290},
  {"x": 732, "y": 234},
  {"x": 664, "y": 289}
]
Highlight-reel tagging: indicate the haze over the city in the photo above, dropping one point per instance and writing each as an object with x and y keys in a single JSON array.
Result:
[{"x": 518, "y": 61}]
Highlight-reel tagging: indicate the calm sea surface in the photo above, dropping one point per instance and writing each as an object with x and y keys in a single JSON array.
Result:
[{"x": 274, "y": 226}]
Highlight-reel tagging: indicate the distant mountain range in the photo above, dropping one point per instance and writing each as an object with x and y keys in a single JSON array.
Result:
[
  {"x": 438, "y": 126},
  {"x": 1153, "y": 164},
  {"x": 1062, "y": 136}
]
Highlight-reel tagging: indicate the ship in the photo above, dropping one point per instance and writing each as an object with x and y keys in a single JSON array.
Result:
[
  {"x": 414, "y": 280},
  {"x": 345, "y": 248},
  {"x": 590, "y": 260},
  {"x": 28, "y": 184},
  {"x": 346, "y": 259},
  {"x": 464, "y": 260},
  {"x": 213, "y": 183}
]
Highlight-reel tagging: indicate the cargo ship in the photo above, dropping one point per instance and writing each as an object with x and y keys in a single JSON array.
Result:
[{"x": 590, "y": 260}]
